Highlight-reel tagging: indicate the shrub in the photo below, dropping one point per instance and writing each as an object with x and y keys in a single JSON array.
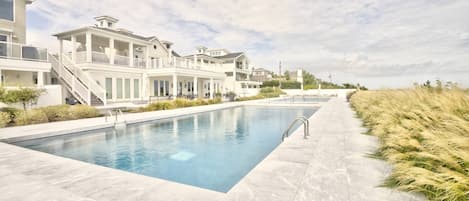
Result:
[
  {"x": 11, "y": 111},
  {"x": 34, "y": 116},
  {"x": 4, "y": 119},
  {"x": 291, "y": 85},
  {"x": 82, "y": 111},
  {"x": 178, "y": 103},
  {"x": 424, "y": 133},
  {"x": 57, "y": 112}
]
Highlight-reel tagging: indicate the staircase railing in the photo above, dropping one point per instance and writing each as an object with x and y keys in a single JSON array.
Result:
[
  {"x": 94, "y": 87},
  {"x": 71, "y": 82}
]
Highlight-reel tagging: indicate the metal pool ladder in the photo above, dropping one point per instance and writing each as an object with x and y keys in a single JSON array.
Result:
[
  {"x": 117, "y": 124},
  {"x": 305, "y": 124}
]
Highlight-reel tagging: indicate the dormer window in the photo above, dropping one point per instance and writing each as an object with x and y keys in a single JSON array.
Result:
[
  {"x": 7, "y": 8},
  {"x": 109, "y": 24}
]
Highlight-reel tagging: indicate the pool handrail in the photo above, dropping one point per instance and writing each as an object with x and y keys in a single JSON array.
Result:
[{"x": 305, "y": 125}]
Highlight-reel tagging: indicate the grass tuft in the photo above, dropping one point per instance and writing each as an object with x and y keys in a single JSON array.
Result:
[{"x": 424, "y": 133}]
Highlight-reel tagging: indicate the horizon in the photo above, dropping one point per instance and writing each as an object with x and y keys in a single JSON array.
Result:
[{"x": 379, "y": 44}]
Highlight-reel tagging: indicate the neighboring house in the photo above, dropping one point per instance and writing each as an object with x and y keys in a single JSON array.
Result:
[
  {"x": 103, "y": 64},
  {"x": 23, "y": 65},
  {"x": 261, "y": 75},
  {"x": 234, "y": 65}
]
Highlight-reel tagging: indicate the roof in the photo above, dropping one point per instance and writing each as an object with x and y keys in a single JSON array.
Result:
[
  {"x": 126, "y": 34},
  {"x": 176, "y": 54},
  {"x": 106, "y": 17},
  {"x": 230, "y": 55}
]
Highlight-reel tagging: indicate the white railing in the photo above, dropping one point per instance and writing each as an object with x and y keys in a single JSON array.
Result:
[
  {"x": 140, "y": 63},
  {"x": 79, "y": 81},
  {"x": 81, "y": 57},
  {"x": 121, "y": 60},
  {"x": 22, "y": 52},
  {"x": 98, "y": 90},
  {"x": 99, "y": 57},
  {"x": 71, "y": 81}
]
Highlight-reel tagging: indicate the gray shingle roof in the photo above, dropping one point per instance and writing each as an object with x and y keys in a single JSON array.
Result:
[
  {"x": 229, "y": 56},
  {"x": 126, "y": 34}
]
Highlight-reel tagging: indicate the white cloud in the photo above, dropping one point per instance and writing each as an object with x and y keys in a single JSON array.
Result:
[{"x": 381, "y": 43}]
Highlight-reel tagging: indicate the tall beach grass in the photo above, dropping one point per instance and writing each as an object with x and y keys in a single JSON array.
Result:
[{"x": 424, "y": 134}]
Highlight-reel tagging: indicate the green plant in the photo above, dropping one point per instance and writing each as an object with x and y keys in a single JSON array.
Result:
[
  {"x": 82, "y": 111},
  {"x": 34, "y": 116},
  {"x": 25, "y": 96},
  {"x": 4, "y": 119},
  {"x": 424, "y": 133},
  {"x": 57, "y": 112},
  {"x": 11, "y": 111}
]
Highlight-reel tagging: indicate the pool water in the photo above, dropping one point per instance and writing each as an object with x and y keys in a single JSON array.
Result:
[
  {"x": 212, "y": 150},
  {"x": 301, "y": 99}
]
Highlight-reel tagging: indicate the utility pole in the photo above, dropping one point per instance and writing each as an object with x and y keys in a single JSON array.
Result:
[{"x": 280, "y": 68}]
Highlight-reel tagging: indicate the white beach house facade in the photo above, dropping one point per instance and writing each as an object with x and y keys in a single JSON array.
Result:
[
  {"x": 235, "y": 65},
  {"x": 23, "y": 65},
  {"x": 103, "y": 64}
]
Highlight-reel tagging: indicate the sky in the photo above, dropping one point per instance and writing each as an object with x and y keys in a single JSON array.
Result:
[{"x": 377, "y": 43}]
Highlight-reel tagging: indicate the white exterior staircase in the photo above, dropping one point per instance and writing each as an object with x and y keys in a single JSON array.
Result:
[{"x": 77, "y": 82}]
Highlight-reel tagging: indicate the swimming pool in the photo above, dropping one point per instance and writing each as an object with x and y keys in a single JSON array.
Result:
[{"x": 212, "y": 150}]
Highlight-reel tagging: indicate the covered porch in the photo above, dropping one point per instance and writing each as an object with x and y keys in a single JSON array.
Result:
[
  {"x": 184, "y": 86},
  {"x": 99, "y": 48}
]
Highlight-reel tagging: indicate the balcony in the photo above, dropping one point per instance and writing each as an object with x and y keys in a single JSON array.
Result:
[{"x": 22, "y": 52}]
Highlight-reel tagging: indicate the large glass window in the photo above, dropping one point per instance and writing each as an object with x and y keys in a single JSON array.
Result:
[
  {"x": 127, "y": 88},
  {"x": 162, "y": 87},
  {"x": 3, "y": 46},
  {"x": 119, "y": 88},
  {"x": 109, "y": 88},
  {"x": 136, "y": 88},
  {"x": 6, "y": 10}
]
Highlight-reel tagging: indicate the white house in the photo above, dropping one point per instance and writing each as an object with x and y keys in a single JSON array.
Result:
[
  {"x": 236, "y": 66},
  {"x": 23, "y": 65},
  {"x": 104, "y": 64}
]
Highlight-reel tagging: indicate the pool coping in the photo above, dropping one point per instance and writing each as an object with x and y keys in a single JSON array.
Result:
[{"x": 8, "y": 135}]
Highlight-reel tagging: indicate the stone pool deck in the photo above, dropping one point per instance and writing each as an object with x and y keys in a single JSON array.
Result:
[{"x": 330, "y": 165}]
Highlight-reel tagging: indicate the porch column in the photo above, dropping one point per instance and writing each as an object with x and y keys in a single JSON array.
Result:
[
  {"x": 89, "y": 54},
  {"x": 112, "y": 51},
  {"x": 195, "y": 61},
  {"x": 170, "y": 54},
  {"x": 74, "y": 49},
  {"x": 144, "y": 87},
  {"x": 131, "y": 54},
  {"x": 196, "y": 90},
  {"x": 175, "y": 86},
  {"x": 40, "y": 78},
  {"x": 211, "y": 88},
  {"x": 147, "y": 57},
  {"x": 61, "y": 50}
]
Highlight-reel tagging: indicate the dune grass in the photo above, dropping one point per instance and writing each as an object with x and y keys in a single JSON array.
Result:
[{"x": 424, "y": 134}]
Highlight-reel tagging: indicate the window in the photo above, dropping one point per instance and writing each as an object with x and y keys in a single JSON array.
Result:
[
  {"x": 136, "y": 88},
  {"x": 3, "y": 45},
  {"x": 109, "y": 88},
  {"x": 127, "y": 88},
  {"x": 7, "y": 10},
  {"x": 119, "y": 88},
  {"x": 154, "y": 47}
]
